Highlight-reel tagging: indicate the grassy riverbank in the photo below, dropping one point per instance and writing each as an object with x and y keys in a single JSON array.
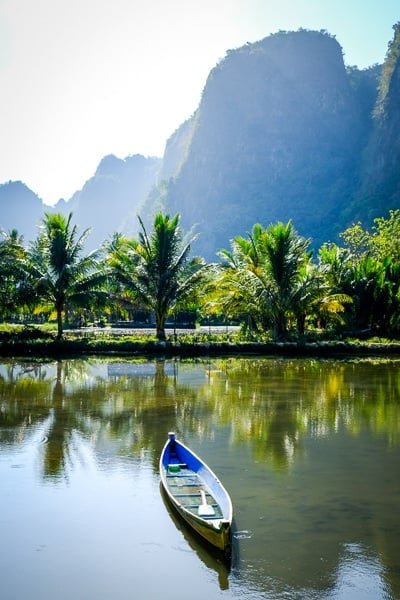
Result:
[{"x": 38, "y": 342}]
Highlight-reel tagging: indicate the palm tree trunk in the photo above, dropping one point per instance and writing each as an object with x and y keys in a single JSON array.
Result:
[
  {"x": 280, "y": 326},
  {"x": 59, "y": 323},
  {"x": 160, "y": 327},
  {"x": 301, "y": 323}
]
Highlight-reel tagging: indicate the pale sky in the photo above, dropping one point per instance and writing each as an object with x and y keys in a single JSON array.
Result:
[{"x": 80, "y": 79}]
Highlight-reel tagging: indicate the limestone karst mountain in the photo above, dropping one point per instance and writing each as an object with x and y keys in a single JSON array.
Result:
[
  {"x": 284, "y": 130},
  {"x": 279, "y": 134}
]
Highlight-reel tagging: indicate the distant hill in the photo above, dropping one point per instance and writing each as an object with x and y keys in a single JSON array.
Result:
[
  {"x": 108, "y": 202},
  {"x": 111, "y": 200},
  {"x": 20, "y": 208}
]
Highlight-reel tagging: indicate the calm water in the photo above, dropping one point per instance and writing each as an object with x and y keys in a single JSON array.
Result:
[{"x": 308, "y": 449}]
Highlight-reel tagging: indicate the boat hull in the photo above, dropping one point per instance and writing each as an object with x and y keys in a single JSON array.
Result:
[
  {"x": 183, "y": 476},
  {"x": 219, "y": 536}
]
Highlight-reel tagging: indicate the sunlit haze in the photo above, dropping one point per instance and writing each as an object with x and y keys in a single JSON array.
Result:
[{"x": 81, "y": 79}]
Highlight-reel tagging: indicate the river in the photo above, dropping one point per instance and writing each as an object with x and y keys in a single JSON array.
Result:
[{"x": 308, "y": 449}]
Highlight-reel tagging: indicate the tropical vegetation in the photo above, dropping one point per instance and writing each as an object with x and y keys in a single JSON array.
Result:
[
  {"x": 155, "y": 269},
  {"x": 270, "y": 282},
  {"x": 270, "y": 278},
  {"x": 55, "y": 275}
]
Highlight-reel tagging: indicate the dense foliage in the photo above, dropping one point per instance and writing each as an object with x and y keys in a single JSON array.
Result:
[
  {"x": 269, "y": 278},
  {"x": 367, "y": 268},
  {"x": 268, "y": 281}
]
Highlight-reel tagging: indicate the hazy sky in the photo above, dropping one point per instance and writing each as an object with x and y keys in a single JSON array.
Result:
[{"x": 80, "y": 79}]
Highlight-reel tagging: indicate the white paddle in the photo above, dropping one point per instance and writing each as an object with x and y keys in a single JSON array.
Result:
[{"x": 205, "y": 510}]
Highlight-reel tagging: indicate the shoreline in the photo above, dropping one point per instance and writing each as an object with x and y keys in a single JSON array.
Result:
[{"x": 152, "y": 349}]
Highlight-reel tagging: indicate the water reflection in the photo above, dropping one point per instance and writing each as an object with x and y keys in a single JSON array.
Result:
[
  {"x": 71, "y": 398},
  {"x": 308, "y": 449},
  {"x": 273, "y": 405},
  {"x": 211, "y": 557}
]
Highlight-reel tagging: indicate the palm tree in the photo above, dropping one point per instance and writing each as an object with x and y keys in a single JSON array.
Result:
[
  {"x": 286, "y": 254},
  {"x": 270, "y": 279},
  {"x": 12, "y": 260},
  {"x": 235, "y": 289},
  {"x": 60, "y": 275},
  {"x": 367, "y": 275},
  {"x": 267, "y": 268},
  {"x": 314, "y": 296},
  {"x": 374, "y": 286},
  {"x": 156, "y": 268}
]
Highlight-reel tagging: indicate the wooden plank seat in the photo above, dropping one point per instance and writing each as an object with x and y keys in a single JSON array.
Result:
[{"x": 191, "y": 494}]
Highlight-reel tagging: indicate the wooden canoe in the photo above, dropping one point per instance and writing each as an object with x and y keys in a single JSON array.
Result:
[{"x": 196, "y": 493}]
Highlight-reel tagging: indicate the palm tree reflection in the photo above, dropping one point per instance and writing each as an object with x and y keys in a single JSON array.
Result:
[
  {"x": 267, "y": 404},
  {"x": 211, "y": 557},
  {"x": 122, "y": 410}
]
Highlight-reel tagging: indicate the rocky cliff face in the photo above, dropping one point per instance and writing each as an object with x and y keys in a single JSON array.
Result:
[
  {"x": 380, "y": 183},
  {"x": 278, "y": 135}
]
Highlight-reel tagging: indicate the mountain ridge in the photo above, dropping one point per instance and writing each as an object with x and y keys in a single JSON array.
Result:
[{"x": 284, "y": 130}]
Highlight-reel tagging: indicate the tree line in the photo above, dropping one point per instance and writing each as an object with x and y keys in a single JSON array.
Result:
[{"x": 269, "y": 281}]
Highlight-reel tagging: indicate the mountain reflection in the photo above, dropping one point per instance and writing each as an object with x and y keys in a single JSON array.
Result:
[{"x": 268, "y": 404}]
